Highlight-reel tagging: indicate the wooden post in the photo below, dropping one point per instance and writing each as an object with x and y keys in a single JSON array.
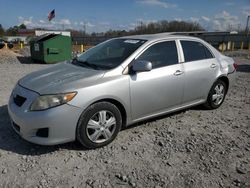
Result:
[
  {"x": 229, "y": 45},
  {"x": 21, "y": 45},
  {"x": 223, "y": 44},
  {"x": 232, "y": 46},
  {"x": 81, "y": 48},
  {"x": 241, "y": 45},
  {"x": 6, "y": 45}
]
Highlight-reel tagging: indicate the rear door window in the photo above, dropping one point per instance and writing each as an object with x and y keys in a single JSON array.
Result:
[{"x": 194, "y": 51}]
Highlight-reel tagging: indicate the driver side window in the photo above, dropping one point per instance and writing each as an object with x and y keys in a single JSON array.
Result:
[{"x": 161, "y": 54}]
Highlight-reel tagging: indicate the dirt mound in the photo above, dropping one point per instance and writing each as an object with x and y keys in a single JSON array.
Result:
[{"x": 8, "y": 56}]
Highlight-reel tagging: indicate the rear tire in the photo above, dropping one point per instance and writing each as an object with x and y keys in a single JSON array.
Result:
[
  {"x": 98, "y": 125},
  {"x": 216, "y": 95}
]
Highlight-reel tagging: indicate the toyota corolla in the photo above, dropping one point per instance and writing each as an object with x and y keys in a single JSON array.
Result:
[{"x": 118, "y": 83}]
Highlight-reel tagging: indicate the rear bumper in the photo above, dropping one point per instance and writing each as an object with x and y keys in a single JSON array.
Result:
[{"x": 60, "y": 121}]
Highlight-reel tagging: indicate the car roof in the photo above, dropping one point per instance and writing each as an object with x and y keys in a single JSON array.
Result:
[{"x": 160, "y": 36}]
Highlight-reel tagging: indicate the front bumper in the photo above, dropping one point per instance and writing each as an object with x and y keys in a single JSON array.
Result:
[{"x": 60, "y": 121}]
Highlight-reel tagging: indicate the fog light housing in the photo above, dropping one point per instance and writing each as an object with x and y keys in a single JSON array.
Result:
[{"x": 44, "y": 132}]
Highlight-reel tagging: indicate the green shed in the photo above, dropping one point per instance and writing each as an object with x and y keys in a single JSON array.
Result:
[{"x": 51, "y": 48}]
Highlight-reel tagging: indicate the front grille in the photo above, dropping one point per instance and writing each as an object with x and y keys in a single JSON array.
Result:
[
  {"x": 16, "y": 127},
  {"x": 19, "y": 100}
]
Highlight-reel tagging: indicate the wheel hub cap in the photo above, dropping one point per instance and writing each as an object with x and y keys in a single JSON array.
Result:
[
  {"x": 101, "y": 126},
  {"x": 218, "y": 95}
]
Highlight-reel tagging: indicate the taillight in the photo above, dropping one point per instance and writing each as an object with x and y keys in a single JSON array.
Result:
[{"x": 235, "y": 66}]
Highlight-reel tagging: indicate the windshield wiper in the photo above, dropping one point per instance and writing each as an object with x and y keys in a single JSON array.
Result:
[{"x": 86, "y": 63}]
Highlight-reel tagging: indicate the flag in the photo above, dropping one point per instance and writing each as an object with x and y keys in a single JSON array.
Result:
[{"x": 51, "y": 15}]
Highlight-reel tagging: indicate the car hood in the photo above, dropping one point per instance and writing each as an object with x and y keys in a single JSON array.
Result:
[{"x": 61, "y": 78}]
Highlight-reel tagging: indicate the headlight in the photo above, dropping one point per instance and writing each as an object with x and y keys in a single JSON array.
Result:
[{"x": 44, "y": 102}]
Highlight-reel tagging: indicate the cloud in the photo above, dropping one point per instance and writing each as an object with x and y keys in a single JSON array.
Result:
[
  {"x": 132, "y": 25},
  {"x": 42, "y": 21},
  {"x": 27, "y": 22},
  {"x": 31, "y": 23},
  {"x": 224, "y": 21},
  {"x": 205, "y": 18},
  {"x": 221, "y": 21},
  {"x": 104, "y": 23},
  {"x": 122, "y": 27},
  {"x": 87, "y": 24},
  {"x": 225, "y": 16},
  {"x": 217, "y": 25},
  {"x": 194, "y": 19},
  {"x": 90, "y": 24},
  {"x": 141, "y": 20},
  {"x": 246, "y": 11},
  {"x": 178, "y": 19},
  {"x": 159, "y": 3},
  {"x": 64, "y": 22}
]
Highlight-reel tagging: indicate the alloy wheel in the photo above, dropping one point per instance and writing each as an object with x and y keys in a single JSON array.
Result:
[
  {"x": 218, "y": 94},
  {"x": 101, "y": 126}
]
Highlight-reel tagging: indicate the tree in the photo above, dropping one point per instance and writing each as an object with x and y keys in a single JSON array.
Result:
[
  {"x": 12, "y": 31},
  {"x": 1, "y": 30},
  {"x": 165, "y": 26},
  {"x": 22, "y": 26}
]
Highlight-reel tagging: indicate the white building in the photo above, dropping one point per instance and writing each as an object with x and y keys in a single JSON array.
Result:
[
  {"x": 42, "y": 32},
  {"x": 16, "y": 39}
]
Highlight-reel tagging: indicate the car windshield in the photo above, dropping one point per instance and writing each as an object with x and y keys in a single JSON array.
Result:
[{"x": 110, "y": 54}]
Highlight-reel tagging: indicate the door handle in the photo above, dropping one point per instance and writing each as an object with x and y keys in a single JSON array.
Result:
[
  {"x": 213, "y": 65},
  {"x": 178, "y": 72}
]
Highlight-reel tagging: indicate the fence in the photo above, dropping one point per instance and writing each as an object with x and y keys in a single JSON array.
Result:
[
  {"x": 221, "y": 41},
  {"x": 228, "y": 41}
]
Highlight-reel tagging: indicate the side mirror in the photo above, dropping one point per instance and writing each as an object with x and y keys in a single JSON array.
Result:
[{"x": 141, "y": 66}]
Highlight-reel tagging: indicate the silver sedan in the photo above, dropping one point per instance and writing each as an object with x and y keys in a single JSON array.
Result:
[{"x": 118, "y": 83}]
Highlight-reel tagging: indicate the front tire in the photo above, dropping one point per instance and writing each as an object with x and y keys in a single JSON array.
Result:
[
  {"x": 98, "y": 125},
  {"x": 216, "y": 95}
]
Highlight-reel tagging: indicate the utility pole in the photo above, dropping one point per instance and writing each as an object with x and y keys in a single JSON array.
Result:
[
  {"x": 84, "y": 28},
  {"x": 229, "y": 27},
  {"x": 140, "y": 26},
  {"x": 247, "y": 30},
  {"x": 239, "y": 27},
  {"x": 84, "y": 32}
]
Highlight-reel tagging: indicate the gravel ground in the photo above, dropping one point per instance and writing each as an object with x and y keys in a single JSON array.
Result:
[{"x": 191, "y": 148}]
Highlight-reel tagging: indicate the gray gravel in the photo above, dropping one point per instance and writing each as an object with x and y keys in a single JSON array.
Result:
[
  {"x": 191, "y": 148},
  {"x": 239, "y": 54},
  {"x": 25, "y": 51}
]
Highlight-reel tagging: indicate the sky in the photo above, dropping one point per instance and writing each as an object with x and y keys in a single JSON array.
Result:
[{"x": 103, "y": 15}]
